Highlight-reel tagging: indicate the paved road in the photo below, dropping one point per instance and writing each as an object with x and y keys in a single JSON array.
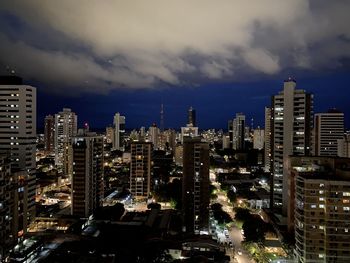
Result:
[{"x": 235, "y": 233}]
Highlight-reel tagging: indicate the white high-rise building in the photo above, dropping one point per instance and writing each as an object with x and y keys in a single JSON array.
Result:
[
  {"x": 18, "y": 122},
  {"x": 237, "y": 132},
  {"x": 291, "y": 135},
  {"x": 154, "y": 135},
  {"x": 259, "y": 139},
  {"x": 18, "y": 135},
  {"x": 119, "y": 131},
  {"x": 329, "y": 128},
  {"x": 65, "y": 128}
]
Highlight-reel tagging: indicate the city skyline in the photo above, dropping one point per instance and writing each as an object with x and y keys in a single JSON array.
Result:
[
  {"x": 144, "y": 109},
  {"x": 131, "y": 58},
  {"x": 175, "y": 131}
]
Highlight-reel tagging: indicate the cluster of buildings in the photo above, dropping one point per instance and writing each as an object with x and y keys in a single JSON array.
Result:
[
  {"x": 305, "y": 154},
  {"x": 79, "y": 157}
]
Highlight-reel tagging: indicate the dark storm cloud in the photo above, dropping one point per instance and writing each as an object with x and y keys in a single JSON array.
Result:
[{"x": 97, "y": 46}]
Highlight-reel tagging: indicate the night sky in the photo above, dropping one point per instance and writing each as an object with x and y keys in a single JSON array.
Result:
[{"x": 102, "y": 57}]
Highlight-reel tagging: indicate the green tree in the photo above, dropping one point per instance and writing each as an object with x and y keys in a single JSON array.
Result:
[
  {"x": 231, "y": 195},
  {"x": 154, "y": 206},
  {"x": 242, "y": 214},
  {"x": 220, "y": 215},
  {"x": 254, "y": 229}
]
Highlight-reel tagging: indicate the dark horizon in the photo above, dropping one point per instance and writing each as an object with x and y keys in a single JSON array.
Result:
[{"x": 214, "y": 104}]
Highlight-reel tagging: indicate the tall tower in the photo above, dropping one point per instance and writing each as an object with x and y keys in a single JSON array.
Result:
[
  {"x": 259, "y": 139},
  {"x": 237, "y": 127},
  {"x": 268, "y": 139},
  {"x": 291, "y": 135},
  {"x": 119, "y": 131},
  {"x": 49, "y": 134},
  {"x": 329, "y": 128},
  {"x": 87, "y": 179},
  {"x": 140, "y": 169},
  {"x": 18, "y": 137},
  {"x": 191, "y": 117},
  {"x": 154, "y": 135},
  {"x": 195, "y": 185},
  {"x": 65, "y": 130}
]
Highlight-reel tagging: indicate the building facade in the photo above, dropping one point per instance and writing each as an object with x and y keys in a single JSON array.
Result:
[
  {"x": 140, "y": 169},
  {"x": 119, "y": 132},
  {"x": 343, "y": 146},
  {"x": 195, "y": 185},
  {"x": 237, "y": 132},
  {"x": 49, "y": 134},
  {"x": 329, "y": 128},
  {"x": 291, "y": 135},
  {"x": 258, "y": 138},
  {"x": 153, "y": 135},
  {"x": 87, "y": 178},
  {"x": 18, "y": 138},
  {"x": 268, "y": 140},
  {"x": 321, "y": 209},
  {"x": 191, "y": 117},
  {"x": 65, "y": 129},
  {"x": 7, "y": 233}
]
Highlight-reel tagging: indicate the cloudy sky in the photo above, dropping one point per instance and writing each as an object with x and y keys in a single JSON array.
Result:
[{"x": 100, "y": 57}]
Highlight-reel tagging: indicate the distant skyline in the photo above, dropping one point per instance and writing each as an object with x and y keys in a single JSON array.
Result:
[
  {"x": 215, "y": 104},
  {"x": 99, "y": 58}
]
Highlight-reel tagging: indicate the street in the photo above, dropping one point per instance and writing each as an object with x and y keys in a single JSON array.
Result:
[{"x": 241, "y": 256}]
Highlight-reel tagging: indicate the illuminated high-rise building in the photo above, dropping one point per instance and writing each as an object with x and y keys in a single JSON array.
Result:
[
  {"x": 7, "y": 233},
  {"x": 109, "y": 135},
  {"x": 191, "y": 117},
  {"x": 319, "y": 189},
  {"x": 153, "y": 133},
  {"x": 291, "y": 135},
  {"x": 268, "y": 140},
  {"x": 195, "y": 185},
  {"x": 258, "y": 139},
  {"x": 87, "y": 178},
  {"x": 237, "y": 132},
  {"x": 119, "y": 132},
  {"x": 140, "y": 169},
  {"x": 329, "y": 128},
  {"x": 65, "y": 130},
  {"x": 49, "y": 134},
  {"x": 18, "y": 138}
]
